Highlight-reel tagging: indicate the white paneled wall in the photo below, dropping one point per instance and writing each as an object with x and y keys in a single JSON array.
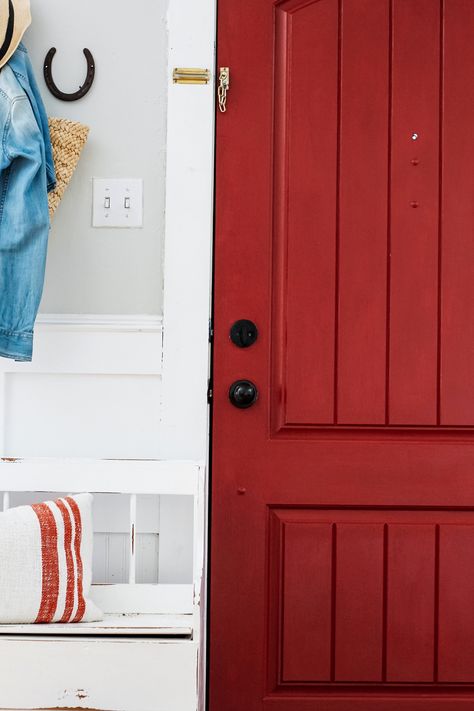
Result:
[
  {"x": 92, "y": 390},
  {"x": 112, "y": 550},
  {"x": 65, "y": 413}
]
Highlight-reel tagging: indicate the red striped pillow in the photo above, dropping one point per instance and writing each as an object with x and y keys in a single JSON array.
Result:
[{"x": 46, "y": 562}]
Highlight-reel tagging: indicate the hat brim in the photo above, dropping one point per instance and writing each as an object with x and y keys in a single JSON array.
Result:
[{"x": 22, "y": 22}]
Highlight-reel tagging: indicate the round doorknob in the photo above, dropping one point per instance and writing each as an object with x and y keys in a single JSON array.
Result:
[{"x": 243, "y": 394}]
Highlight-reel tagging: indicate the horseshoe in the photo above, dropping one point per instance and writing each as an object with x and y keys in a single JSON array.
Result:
[{"x": 51, "y": 84}]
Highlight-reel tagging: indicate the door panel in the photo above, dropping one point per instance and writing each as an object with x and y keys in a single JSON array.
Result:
[
  {"x": 412, "y": 560},
  {"x": 456, "y": 620},
  {"x": 457, "y": 219},
  {"x": 358, "y": 196},
  {"x": 307, "y": 592},
  {"x": 414, "y": 214},
  {"x": 358, "y": 602},
  {"x": 371, "y": 596},
  {"x": 310, "y": 266},
  {"x": 361, "y": 293},
  {"x": 342, "y": 543}
]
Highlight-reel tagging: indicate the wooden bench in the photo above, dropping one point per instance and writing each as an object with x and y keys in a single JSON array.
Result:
[{"x": 145, "y": 655}]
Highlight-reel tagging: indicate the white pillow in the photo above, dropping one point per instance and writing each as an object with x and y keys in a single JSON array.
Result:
[{"x": 46, "y": 562}]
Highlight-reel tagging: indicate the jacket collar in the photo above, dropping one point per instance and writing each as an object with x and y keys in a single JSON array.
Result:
[
  {"x": 18, "y": 61},
  {"x": 20, "y": 64}
]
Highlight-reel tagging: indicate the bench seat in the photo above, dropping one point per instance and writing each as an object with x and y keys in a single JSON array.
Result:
[
  {"x": 145, "y": 655},
  {"x": 119, "y": 625}
]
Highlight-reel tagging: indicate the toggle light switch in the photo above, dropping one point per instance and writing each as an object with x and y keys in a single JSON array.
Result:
[{"x": 117, "y": 202}]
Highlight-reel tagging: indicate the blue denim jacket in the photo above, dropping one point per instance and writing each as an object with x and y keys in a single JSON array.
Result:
[{"x": 26, "y": 176}]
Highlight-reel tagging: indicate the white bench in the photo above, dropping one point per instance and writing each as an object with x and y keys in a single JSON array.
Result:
[{"x": 144, "y": 656}]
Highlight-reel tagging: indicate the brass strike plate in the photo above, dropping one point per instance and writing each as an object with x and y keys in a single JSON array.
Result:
[{"x": 190, "y": 75}]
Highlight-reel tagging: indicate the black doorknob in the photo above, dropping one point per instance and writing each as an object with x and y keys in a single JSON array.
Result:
[{"x": 243, "y": 394}]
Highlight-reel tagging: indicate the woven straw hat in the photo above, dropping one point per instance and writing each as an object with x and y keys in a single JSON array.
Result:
[
  {"x": 15, "y": 18},
  {"x": 68, "y": 138}
]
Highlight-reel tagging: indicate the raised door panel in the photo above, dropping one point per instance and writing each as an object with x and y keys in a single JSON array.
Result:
[
  {"x": 370, "y": 597},
  {"x": 307, "y": 35},
  {"x": 457, "y": 229},
  {"x": 372, "y": 288}
]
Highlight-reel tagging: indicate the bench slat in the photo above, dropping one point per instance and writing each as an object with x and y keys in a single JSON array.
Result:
[
  {"x": 120, "y": 625},
  {"x": 121, "y": 476}
]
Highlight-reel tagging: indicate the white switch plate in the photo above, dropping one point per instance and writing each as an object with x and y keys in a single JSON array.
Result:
[{"x": 111, "y": 196}]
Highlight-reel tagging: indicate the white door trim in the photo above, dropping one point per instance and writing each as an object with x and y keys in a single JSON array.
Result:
[
  {"x": 189, "y": 230},
  {"x": 188, "y": 247}
]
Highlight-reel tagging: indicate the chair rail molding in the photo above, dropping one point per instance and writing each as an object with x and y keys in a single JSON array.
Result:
[{"x": 101, "y": 322}]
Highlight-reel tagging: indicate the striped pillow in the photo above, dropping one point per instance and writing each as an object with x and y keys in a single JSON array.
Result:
[{"x": 46, "y": 562}]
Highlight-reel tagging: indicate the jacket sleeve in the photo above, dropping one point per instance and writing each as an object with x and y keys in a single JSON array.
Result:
[{"x": 24, "y": 228}]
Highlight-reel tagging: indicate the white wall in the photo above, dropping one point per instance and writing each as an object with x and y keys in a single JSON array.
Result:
[{"x": 107, "y": 270}]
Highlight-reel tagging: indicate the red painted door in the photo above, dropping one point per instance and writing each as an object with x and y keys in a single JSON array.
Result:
[{"x": 342, "y": 568}]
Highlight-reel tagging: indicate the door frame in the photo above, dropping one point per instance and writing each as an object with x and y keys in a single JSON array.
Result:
[
  {"x": 188, "y": 252},
  {"x": 189, "y": 231}
]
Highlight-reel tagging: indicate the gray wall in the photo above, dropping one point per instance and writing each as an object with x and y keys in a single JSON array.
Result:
[{"x": 107, "y": 270}]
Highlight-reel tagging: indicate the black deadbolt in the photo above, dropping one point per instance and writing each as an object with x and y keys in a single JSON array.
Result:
[
  {"x": 244, "y": 333},
  {"x": 243, "y": 394}
]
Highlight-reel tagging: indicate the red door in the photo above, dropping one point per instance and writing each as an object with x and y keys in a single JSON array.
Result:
[{"x": 343, "y": 499}]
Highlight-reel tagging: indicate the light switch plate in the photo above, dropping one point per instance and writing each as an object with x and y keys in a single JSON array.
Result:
[{"x": 117, "y": 202}]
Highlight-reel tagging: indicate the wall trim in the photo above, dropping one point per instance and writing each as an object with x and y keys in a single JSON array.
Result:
[
  {"x": 101, "y": 322},
  {"x": 100, "y": 344}
]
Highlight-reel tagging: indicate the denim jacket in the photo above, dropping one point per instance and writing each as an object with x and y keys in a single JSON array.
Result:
[{"x": 26, "y": 176}]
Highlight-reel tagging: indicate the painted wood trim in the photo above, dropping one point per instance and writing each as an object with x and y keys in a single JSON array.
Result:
[
  {"x": 119, "y": 476},
  {"x": 102, "y": 322},
  {"x": 80, "y": 344},
  {"x": 199, "y": 532},
  {"x": 188, "y": 254},
  {"x": 118, "y": 625},
  {"x": 106, "y": 674},
  {"x": 188, "y": 232},
  {"x": 3, "y": 383},
  {"x": 144, "y": 599}
]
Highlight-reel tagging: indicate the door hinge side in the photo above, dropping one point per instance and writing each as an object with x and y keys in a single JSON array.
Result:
[
  {"x": 210, "y": 392},
  {"x": 211, "y": 331}
]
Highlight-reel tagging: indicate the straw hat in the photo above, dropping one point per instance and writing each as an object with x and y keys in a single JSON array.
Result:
[
  {"x": 68, "y": 138},
  {"x": 15, "y": 18}
]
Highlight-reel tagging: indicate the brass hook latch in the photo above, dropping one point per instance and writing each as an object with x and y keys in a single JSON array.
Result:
[{"x": 223, "y": 88}]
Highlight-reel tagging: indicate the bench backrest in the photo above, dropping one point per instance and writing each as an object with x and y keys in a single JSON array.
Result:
[{"x": 129, "y": 478}]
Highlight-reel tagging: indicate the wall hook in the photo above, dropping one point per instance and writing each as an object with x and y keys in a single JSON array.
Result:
[{"x": 82, "y": 91}]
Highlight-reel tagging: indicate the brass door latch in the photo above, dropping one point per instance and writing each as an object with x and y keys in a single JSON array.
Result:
[
  {"x": 223, "y": 88},
  {"x": 189, "y": 75}
]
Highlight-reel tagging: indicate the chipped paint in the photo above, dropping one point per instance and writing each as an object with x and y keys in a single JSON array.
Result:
[
  {"x": 60, "y": 708},
  {"x": 73, "y": 695}
]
